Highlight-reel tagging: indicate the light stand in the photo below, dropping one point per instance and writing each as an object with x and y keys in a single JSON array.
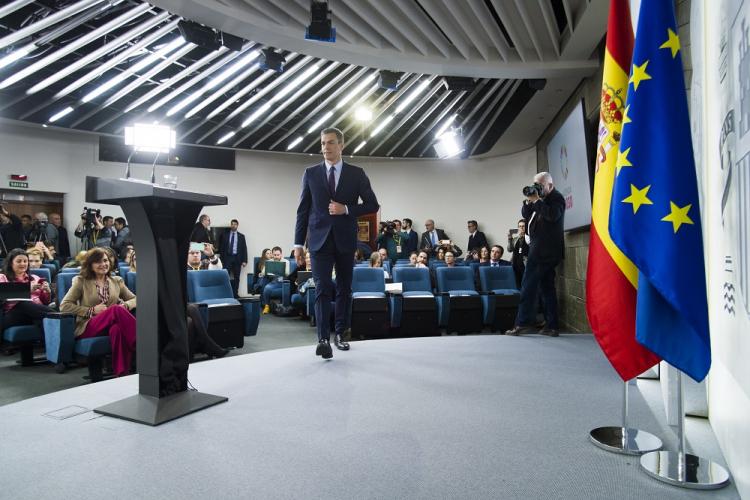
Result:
[
  {"x": 153, "y": 169},
  {"x": 624, "y": 439},
  {"x": 680, "y": 468}
]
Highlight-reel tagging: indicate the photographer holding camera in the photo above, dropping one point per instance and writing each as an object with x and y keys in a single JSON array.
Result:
[
  {"x": 392, "y": 241},
  {"x": 544, "y": 209},
  {"x": 91, "y": 229}
]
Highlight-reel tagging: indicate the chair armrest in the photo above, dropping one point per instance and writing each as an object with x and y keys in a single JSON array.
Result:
[
  {"x": 59, "y": 315},
  {"x": 251, "y": 306}
]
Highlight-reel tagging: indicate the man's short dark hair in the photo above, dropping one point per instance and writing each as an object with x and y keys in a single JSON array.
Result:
[
  {"x": 334, "y": 130},
  {"x": 234, "y": 221},
  {"x": 395, "y": 221},
  {"x": 107, "y": 218},
  {"x": 121, "y": 221},
  {"x": 407, "y": 220},
  {"x": 502, "y": 250},
  {"x": 277, "y": 248},
  {"x": 472, "y": 223},
  {"x": 26, "y": 216}
]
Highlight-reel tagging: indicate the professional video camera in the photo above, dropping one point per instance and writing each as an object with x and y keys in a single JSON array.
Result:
[
  {"x": 535, "y": 188},
  {"x": 389, "y": 228},
  {"x": 89, "y": 215}
]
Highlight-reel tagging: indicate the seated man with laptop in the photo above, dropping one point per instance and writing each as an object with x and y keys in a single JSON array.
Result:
[{"x": 276, "y": 270}]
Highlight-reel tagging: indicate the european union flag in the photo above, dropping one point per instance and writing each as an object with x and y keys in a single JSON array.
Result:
[{"x": 655, "y": 213}]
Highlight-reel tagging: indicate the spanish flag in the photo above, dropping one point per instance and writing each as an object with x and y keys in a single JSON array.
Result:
[{"x": 612, "y": 279}]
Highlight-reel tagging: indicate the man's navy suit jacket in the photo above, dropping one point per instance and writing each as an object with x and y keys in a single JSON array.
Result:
[{"x": 313, "y": 219}]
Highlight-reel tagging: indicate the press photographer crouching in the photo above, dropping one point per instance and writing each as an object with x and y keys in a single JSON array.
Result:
[{"x": 544, "y": 210}]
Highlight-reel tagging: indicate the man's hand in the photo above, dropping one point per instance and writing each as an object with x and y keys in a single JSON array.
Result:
[
  {"x": 299, "y": 256},
  {"x": 336, "y": 208},
  {"x": 208, "y": 249},
  {"x": 243, "y": 264},
  {"x": 533, "y": 198}
]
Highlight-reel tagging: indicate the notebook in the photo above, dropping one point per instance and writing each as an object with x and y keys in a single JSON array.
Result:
[
  {"x": 15, "y": 291},
  {"x": 275, "y": 268}
]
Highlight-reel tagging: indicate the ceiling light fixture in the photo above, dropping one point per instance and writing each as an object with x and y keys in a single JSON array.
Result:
[{"x": 60, "y": 114}]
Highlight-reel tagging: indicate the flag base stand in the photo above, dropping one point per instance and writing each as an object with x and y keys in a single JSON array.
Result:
[
  {"x": 625, "y": 440},
  {"x": 684, "y": 470}
]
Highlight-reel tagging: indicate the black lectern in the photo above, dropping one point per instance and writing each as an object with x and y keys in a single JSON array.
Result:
[{"x": 160, "y": 221}]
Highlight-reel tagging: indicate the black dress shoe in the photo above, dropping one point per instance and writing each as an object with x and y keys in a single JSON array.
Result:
[
  {"x": 340, "y": 344},
  {"x": 520, "y": 330},
  {"x": 550, "y": 332},
  {"x": 324, "y": 349}
]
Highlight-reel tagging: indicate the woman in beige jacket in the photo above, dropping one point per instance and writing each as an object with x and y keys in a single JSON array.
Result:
[{"x": 102, "y": 305}]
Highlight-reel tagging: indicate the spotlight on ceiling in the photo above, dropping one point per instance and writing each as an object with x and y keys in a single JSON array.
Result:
[
  {"x": 460, "y": 83},
  {"x": 208, "y": 38},
  {"x": 389, "y": 79},
  {"x": 363, "y": 114},
  {"x": 320, "y": 23},
  {"x": 269, "y": 59},
  {"x": 449, "y": 145}
]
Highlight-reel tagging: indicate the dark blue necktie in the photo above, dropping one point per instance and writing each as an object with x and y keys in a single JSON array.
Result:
[
  {"x": 231, "y": 244},
  {"x": 332, "y": 180}
]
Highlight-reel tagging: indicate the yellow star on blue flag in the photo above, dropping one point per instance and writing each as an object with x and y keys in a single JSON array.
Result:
[{"x": 658, "y": 226}]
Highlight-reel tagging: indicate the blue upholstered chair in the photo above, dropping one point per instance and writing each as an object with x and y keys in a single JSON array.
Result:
[
  {"x": 459, "y": 304},
  {"x": 61, "y": 344},
  {"x": 70, "y": 270},
  {"x": 500, "y": 297},
  {"x": 402, "y": 261},
  {"x": 122, "y": 270},
  {"x": 225, "y": 313},
  {"x": 44, "y": 273},
  {"x": 130, "y": 281},
  {"x": 25, "y": 337},
  {"x": 369, "y": 315},
  {"x": 414, "y": 310}
]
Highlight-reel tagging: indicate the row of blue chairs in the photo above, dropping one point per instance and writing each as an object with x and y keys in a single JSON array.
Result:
[{"x": 458, "y": 306}]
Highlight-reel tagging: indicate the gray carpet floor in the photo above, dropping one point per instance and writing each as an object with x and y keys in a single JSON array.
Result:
[{"x": 445, "y": 417}]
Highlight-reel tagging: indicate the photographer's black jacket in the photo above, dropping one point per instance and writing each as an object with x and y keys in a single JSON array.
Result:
[{"x": 546, "y": 227}]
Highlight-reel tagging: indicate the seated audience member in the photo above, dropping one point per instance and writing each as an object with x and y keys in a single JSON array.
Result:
[
  {"x": 113, "y": 268},
  {"x": 358, "y": 256},
  {"x": 440, "y": 253},
  {"x": 24, "y": 312},
  {"x": 36, "y": 258},
  {"x": 450, "y": 259},
  {"x": 273, "y": 287},
  {"x": 197, "y": 262},
  {"x": 48, "y": 253},
  {"x": 77, "y": 261},
  {"x": 376, "y": 260},
  {"x": 383, "y": 255},
  {"x": 413, "y": 258},
  {"x": 484, "y": 255},
  {"x": 102, "y": 305},
  {"x": 423, "y": 259},
  {"x": 127, "y": 254},
  {"x": 496, "y": 257},
  {"x": 260, "y": 271}
]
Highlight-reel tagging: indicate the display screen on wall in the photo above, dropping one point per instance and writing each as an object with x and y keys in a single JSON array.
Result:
[
  {"x": 114, "y": 149},
  {"x": 569, "y": 165}
]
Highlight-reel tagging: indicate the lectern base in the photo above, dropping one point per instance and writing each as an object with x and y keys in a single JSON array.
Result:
[{"x": 155, "y": 411}]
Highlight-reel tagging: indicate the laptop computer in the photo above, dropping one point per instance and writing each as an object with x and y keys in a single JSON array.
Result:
[
  {"x": 303, "y": 276},
  {"x": 275, "y": 268},
  {"x": 15, "y": 291}
]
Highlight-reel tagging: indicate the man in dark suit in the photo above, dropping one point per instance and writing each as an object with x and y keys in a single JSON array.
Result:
[
  {"x": 432, "y": 237},
  {"x": 477, "y": 239},
  {"x": 327, "y": 219},
  {"x": 233, "y": 251},
  {"x": 545, "y": 215},
  {"x": 519, "y": 251},
  {"x": 412, "y": 238},
  {"x": 202, "y": 231}
]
